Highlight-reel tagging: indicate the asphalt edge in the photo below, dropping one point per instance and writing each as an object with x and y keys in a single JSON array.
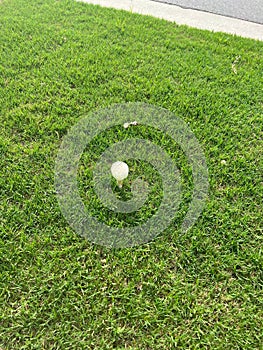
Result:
[{"x": 206, "y": 11}]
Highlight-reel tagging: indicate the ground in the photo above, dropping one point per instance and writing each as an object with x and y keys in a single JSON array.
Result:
[{"x": 202, "y": 289}]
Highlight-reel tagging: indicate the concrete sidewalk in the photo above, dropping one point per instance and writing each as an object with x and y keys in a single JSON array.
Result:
[{"x": 192, "y": 18}]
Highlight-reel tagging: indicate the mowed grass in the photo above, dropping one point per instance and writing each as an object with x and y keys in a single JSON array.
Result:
[{"x": 59, "y": 61}]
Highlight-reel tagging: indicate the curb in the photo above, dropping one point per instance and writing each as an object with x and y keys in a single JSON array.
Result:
[{"x": 192, "y": 18}]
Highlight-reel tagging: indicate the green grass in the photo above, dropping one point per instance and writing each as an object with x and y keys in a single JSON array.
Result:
[{"x": 60, "y": 60}]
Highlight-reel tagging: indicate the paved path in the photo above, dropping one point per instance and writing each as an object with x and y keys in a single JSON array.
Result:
[
  {"x": 193, "y": 18},
  {"x": 249, "y": 10}
]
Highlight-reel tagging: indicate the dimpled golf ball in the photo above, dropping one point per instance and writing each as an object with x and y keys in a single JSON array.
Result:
[{"x": 119, "y": 171}]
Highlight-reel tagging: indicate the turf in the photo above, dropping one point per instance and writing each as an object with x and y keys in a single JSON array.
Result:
[{"x": 60, "y": 60}]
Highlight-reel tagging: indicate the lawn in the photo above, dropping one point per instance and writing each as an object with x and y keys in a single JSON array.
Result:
[{"x": 200, "y": 289}]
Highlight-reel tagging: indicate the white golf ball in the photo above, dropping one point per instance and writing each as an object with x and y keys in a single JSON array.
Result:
[{"x": 119, "y": 170}]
